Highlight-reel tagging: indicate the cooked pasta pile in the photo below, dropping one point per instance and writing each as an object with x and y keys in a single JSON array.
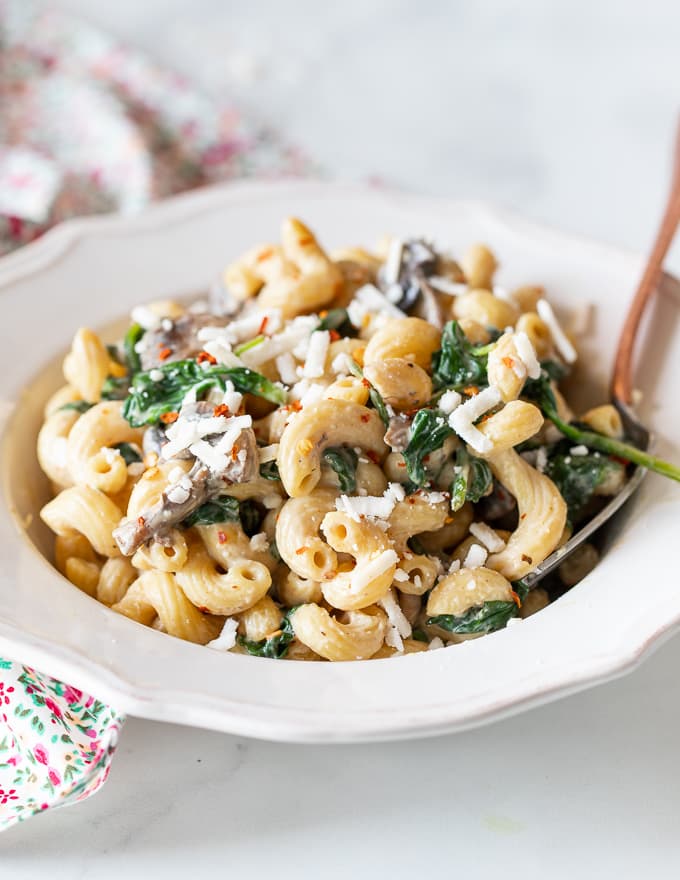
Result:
[{"x": 336, "y": 457}]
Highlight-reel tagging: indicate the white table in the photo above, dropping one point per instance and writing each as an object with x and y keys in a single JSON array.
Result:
[{"x": 563, "y": 111}]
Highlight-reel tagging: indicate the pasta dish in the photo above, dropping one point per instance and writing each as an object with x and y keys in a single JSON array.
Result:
[{"x": 334, "y": 456}]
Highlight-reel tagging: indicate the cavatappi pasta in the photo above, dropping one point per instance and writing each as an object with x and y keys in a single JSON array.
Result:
[{"x": 333, "y": 458}]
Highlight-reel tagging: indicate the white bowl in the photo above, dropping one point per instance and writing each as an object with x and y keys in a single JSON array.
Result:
[{"x": 91, "y": 272}]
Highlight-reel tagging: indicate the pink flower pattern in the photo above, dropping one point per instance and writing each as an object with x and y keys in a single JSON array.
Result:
[{"x": 55, "y": 741}]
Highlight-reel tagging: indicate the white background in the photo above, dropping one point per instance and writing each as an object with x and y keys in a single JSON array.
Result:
[{"x": 565, "y": 112}]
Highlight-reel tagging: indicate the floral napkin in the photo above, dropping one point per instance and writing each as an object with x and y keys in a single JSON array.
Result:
[{"x": 87, "y": 125}]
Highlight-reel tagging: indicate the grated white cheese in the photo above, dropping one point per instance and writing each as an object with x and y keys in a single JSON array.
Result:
[
  {"x": 400, "y": 575},
  {"x": 285, "y": 364},
  {"x": 167, "y": 324},
  {"x": 487, "y": 536},
  {"x": 221, "y": 351},
  {"x": 175, "y": 475},
  {"x": 341, "y": 363},
  {"x": 178, "y": 494},
  {"x": 316, "y": 354},
  {"x": 445, "y": 285},
  {"x": 374, "y": 506},
  {"x": 244, "y": 328},
  {"x": 579, "y": 450},
  {"x": 476, "y": 556},
  {"x": 463, "y": 417},
  {"x": 259, "y": 543},
  {"x": 156, "y": 375},
  {"x": 373, "y": 569},
  {"x": 232, "y": 398},
  {"x": 434, "y": 497},
  {"x": 527, "y": 354},
  {"x": 541, "y": 459},
  {"x": 435, "y": 644},
  {"x": 398, "y": 626},
  {"x": 110, "y": 455},
  {"x": 136, "y": 468},
  {"x": 449, "y": 401},
  {"x": 454, "y": 567},
  {"x": 396, "y": 490},
  {"x": 293, "y": 338},
  {"x": 271, "y": 502},
  {"x": 227, "y": 638},
  {"x": 393, "y": 262},
  {"x": 147, "y": 319},
  {"x": 562, "y": 343},
  {"x": 268, "y": 453},
  {"x": 368, "y": 300},
  {"x": 182, "y": 433},
  {"x": 307, "y": 392}
]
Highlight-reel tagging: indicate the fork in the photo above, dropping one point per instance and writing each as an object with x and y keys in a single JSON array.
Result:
[{"x": 622, "y": 384}]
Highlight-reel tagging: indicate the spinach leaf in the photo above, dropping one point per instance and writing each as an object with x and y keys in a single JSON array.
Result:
[
  {"x": 344, "y": 462},
  {"x": 578, "y": 476},
  {"x": 419, "y": 635},
  {"x": 276, "y": 646},
  {"x": 269, "y": 471},
  {"x": 219, "y": 510},
  {"x": 149, "y": 400},
  {"x": 374, "y": 396},
  {"x": 79, "y": 406},
  {"x": 428, "y": 431},
  {"x": 130, "y": 340},
  {"x": 337, "y": 319},
  {"x": 473, "y": 480},
  {"x": 540, "y": 391},
  {"x": 484, "y": 618},
  {"x": 251, "y": 513},
  {"x": 129, "y": 453},
  {"x": 458, "y": 363},
  {"x": 115, "y": 387}
]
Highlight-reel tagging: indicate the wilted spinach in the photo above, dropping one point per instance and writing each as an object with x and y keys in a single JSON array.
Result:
[
  {"x": 484, "y": 618},
  {"x": 428, "y": 431},
  {"x": 79, "y": 406},
  {"x": 276, "y": 646},
  {"x": 270, "y": 471},
  {"x": 149, "y": 400},
  {"x": 458, "y": 363},
  {"x": 343, "y": 460},
  {"x": 129, "y": 453},
  {"x": 473, "y": 480},
  {"x": 374, "y": 396}
]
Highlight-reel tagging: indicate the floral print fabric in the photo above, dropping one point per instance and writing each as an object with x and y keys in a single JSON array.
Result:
[
  {"x": 133, "y": 133},
  {"x": 55, "y": 742}
]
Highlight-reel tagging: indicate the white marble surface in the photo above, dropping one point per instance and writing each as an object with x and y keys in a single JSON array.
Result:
[{"x": 564, "y": 111}]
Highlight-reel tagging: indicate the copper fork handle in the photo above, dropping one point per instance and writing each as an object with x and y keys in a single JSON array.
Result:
[{"x": 622, "y": 377}]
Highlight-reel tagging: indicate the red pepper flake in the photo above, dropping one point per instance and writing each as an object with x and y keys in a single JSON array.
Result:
[
  {"x": 164, "y": 353},
  {"x": 523, "y": 516},
  {"x": 365, "y": 383},
  {"x": 426, "y": 458},
  {"x": 509, "y": 363},
  {"x": 471, "y": 390},
  {"x": 365, "y": 417},
  {"x": 221, "y": 410},
  {"x": 263, "y": 326},
  {"x": 527, "y": 559},
  {"x": 516, "y": 599},
  {"x": 204, "y": 356},
  {"x": 301, "y": 550},
  {"x": 265, "y": 255},
  {"x": 234, "y": 453},
  {"x": 141, "y": 522},
  {"x": 305, "y": 240},
  {"x": 295, "y": 406},
  {"x": 411, "y": 499},
  {"x": 334, "y": 335},
  {"x": 373, "y": 456},
  {"x": 401, "y": 464},
  {"x": 623, "y": 461},
  {"x": 203, "y": 608},
  {"x": 222, "y": 537},
  {"x": 323, "y": 313},
  {"x": 169, "y": 417}
]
